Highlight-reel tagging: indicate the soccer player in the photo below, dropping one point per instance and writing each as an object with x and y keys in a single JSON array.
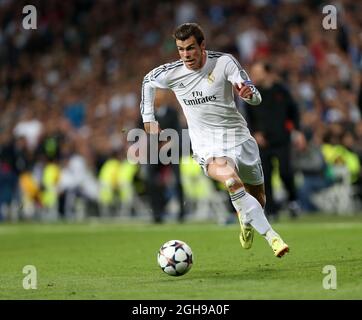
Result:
[{"x": 203, "y": 83}]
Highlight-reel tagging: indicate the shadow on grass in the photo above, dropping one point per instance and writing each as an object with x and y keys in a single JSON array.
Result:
[
  {"x": 260, "y": 272},
  {"x": 239, "y": 275}
]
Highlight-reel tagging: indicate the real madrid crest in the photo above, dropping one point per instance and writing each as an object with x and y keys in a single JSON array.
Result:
[{"x": 210, "y": 78}]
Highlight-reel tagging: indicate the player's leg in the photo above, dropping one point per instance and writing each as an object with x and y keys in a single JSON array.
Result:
[
  {"x": 275, "y": 241},
  {"x": 250, "y": 211},
  {"x": 224, "y": 171},
  {"x": 251, "y": 173}
]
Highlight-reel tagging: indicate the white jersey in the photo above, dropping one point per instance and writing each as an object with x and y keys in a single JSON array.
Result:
[{"x": 206, "y": 96}]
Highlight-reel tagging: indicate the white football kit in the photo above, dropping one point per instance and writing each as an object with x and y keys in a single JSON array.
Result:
[{"x": 216, "y": 127}]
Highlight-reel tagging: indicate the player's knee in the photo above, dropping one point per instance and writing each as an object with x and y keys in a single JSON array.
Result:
[{"x": 232, "y": 184}]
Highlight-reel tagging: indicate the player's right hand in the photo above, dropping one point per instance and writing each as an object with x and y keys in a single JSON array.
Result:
[
  {"x": 152, "y": 127},
  {"x": 244, "y": 91}
]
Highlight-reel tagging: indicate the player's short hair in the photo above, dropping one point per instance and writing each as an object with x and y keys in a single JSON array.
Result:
[{"x": 187, "y": 30}]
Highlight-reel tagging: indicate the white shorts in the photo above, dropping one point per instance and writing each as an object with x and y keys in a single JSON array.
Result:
[{"x": 246, "y": 159}]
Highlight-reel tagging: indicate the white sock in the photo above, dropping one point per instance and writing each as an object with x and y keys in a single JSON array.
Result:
[
  {"x": 270, "y": 234},
  {"x": 250, "y": 210}
]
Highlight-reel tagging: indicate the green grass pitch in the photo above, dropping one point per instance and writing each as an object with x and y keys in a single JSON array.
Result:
[{"x": 96, "y": 260}]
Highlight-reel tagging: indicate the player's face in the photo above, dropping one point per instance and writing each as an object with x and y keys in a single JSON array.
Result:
[{"x": 191, "y": 52}]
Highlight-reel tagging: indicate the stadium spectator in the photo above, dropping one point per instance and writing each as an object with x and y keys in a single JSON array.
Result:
[
  {"x": 273, "y": 124},
  {"x": 163, "y": 181},
  {"x": 310, "y": 162}
]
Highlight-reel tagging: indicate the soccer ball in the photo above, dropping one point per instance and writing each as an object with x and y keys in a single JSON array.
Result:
[{"x": 175, "y": 258}]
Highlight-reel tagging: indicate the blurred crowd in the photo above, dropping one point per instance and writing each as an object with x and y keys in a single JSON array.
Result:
[{"x": 70, "y": 90}]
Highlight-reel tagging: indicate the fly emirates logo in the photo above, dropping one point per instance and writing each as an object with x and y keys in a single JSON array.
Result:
[{"x": 198, "y": 98}]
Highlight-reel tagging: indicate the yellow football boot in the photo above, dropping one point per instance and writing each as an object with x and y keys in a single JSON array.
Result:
[
  {"x": 246, "y": 234},
  {"x": 279, "y": 247}
]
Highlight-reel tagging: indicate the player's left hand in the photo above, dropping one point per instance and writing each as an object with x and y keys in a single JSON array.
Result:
[{"x": 244, "y": 91}]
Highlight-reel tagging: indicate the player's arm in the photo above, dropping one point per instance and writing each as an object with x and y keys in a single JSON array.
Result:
[
  {"x": 151, "y": 82},
  {"x": 241, "y": 81}
]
